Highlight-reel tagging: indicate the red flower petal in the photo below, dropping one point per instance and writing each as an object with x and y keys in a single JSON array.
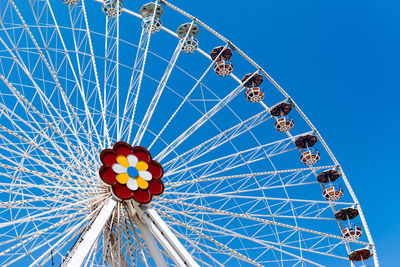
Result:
[
  {"x": 142, "y": 196},
  {"x": 122, "y": 148},
  {"x": 121, "y": 191},
  {"x": 108, "y": 157},
  {"x": 107, "y": 175},
  {"x": 156, "y": 187},
  {"x": 142, "y": 153},
  {"x": 156, "y": 169}
]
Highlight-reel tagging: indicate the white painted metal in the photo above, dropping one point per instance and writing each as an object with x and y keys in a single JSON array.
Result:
[
  {"x": 167, "y": 239},
  {"x": 55, "y": 118},
  {"x": 147, "y": 235},
  {"x": 112, "y": 249},
  {"x": 153, "y": 104},
  {"x": 200, "y": 122},
  {"x": 87, "y": 241}
]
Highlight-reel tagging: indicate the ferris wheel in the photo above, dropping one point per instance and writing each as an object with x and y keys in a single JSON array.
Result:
[{"x": 133, "y": 134}]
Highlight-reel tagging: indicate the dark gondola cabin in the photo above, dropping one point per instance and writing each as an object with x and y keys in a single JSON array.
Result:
[
  {"x": 328, "y": 176},
  {"x": 360, "y": 254},
  {"x": 254, "y": 92},
  {"x": 223, "y": 65},
  {"x": 151, "y": 17}
]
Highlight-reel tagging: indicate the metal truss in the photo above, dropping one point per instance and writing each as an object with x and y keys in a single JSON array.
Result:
[{"x": 236, "y": 192}]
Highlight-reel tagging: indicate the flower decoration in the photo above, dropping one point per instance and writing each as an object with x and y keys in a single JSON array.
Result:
[{"x": 131, "y": 172}]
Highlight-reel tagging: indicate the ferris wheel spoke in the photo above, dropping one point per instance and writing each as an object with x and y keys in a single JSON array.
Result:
[
  {"x": 220, "y": 139},
  {"x": 251, "y": 189},
  {"x": 111, "y": 73},
  {"x": 281, "y": 204},
  {"x": 24, "y": 239},
  {"x": 140, "y": 249},
  {"x": 125, "y": 249},
  {"x": 42, "y": 177},
  {"x": 29, "y": 252},
  {"x": 198, "y": 248},
  {"x": 84, "y": 70},
  {"x": 27, "y": 203},
  {"x": 135, "y": 83},
  {"x": 46, "y": 153},
  {"x": 222, "y": 248},
  {"x": 199, "y": 81},
  {"x": 231, "y": 161},
  {"x": 224, "y": 231},
  {"x": 197, "y": 210},
  {"x": 119, "y": 247},
  {"x": 40, "y": 165},
  {"x": 41, "y": 216},
  {"x": 23, "y": 101},
  {"x": 60, "y": 244},
  {"x": 224, "y": 164},
  {"x": 25, "y": 193},
  {"x": 207, "y": 116},
  {"x": 103, "y": 110},
  {"x": 234, "y": 235},
  {"x": 272, "y": 174},
  {"x": 199, "y": 231},
  {"x": 139, "y": 64},
  {"x": 235, "y": 194},
  {"x": 129, "y": 248},
  {"x": 50, "y": 68},
  {"x": 131, "y": 228},
  {"x": 45, "y": 137},
  {"x": 16, "y": 149},
  {"x": 68, "y": 63},
  {"x": 153, "y": 104},
  {"x": 34, "y": 126},
  {"x": 69, "y": 219}
]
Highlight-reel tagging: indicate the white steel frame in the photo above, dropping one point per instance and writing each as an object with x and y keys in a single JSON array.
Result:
[{"x": 78, "y": 123}]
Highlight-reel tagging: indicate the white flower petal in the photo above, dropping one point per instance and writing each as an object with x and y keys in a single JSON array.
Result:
[
  {"x": 145, "y": 175},
  {"x": 133, "y": 160},
  {"x": 118, "y": 168},
  {"x": 132, "y": 184}
]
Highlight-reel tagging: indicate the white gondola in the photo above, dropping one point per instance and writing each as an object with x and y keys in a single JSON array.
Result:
[
  {"x": 333, "y": 193},
  {"x": 283, "y": 124},
  {"x": 352, "y": 232},
  {"x": 151, "y": 14},
  {"x": 255, "y": 94},
  {"x": 187, "y": 33},
  {"x": 223, "y": 68},
  {"x": 70, "y": 2},
  {"x": 112, "y": 8},
  {"x": 310, "y": 158},
  {"x": 82, "y": 92}
]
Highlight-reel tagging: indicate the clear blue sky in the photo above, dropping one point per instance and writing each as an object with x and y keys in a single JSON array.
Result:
[{"x": 339, "y": 60}]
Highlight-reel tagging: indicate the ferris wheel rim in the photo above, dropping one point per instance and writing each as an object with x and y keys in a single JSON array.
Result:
[
  {"x": 277, "y": 86},
  {"x": 297, "y": 108}
]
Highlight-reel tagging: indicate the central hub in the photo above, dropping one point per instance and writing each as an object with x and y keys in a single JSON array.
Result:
[{"x": 133, "y": 172}]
